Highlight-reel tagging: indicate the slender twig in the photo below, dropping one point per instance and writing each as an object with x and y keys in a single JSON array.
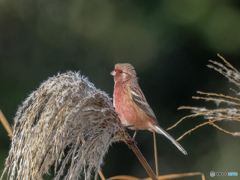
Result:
[
  {"x": 101, "y": 175},
  {"x": 6, "y": 124},
  {"x": 192, "y": 115},
  {"x": 219, "y": 95},
  {"x": 164, "y": 177},
  {"x": 192, "y": 130},
  {"x": 228, "y": 63},
  {"x": 228, "y": 132},
  {"x": 132, "y": 145},
  {"x": 175, "y": 176},
  {"x": 217, "y": 100},
  {"x": 155, "y": 153}
]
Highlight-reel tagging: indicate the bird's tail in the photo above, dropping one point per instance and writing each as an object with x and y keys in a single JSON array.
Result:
[{"x": 159, "y": 130}]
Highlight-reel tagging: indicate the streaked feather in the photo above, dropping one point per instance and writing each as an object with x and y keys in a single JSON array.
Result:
[{"x": 140, "y": 100}]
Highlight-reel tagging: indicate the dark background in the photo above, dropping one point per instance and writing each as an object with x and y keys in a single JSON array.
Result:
[{"x": 168, "y": 42}]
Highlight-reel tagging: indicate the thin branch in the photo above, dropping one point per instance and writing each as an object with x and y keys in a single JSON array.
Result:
[
  {"x": 222, "y": 72},
  {"x": 218, "y": 95},
  {"x": 164, "y": 177},
  {"x": 217, "y": 100},
  {"x": 228, "y": 63},
  {"x": 6, "y": 124},
  {"x": 192, "y": 130},
  {"x": 101, "y": 175},
  {"x": 155, "y": 153},
  {"x": 192, "y": 115},
  {"x": 132, "y": 145},
  {"x": 228, "y": 132},
  {"x": 123, "y": 177}
]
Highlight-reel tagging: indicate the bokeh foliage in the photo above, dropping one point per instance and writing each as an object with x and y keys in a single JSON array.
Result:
[{"x": 168, "y": 42}]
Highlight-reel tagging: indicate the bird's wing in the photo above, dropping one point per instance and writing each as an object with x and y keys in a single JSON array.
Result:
[{"x": 140, "y": 100}]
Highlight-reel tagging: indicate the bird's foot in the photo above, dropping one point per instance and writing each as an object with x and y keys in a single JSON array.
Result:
[
  {"x": 134, "y": 141},
  {"x": 128, "y": 126},
  {"x": 134, "y": 135},
  {"x": 133, "y": 138}
]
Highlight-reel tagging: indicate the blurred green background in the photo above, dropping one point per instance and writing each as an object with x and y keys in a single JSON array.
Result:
[{"x": 168, "y": 42}]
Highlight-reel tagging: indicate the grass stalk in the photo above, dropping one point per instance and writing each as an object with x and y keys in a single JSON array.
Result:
[{"x": 155, "y": 153}]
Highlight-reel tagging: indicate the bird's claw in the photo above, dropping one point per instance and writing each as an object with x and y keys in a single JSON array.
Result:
[
  {"x": 133, "y": 138},
  {"x": 134, "y": 141},
  {"x": 126, "y": 127}
]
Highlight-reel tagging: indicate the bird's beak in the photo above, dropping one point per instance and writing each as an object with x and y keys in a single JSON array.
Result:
[{"x": 113, "y": 73}]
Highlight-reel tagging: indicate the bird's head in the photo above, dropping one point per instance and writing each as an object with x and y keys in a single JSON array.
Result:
[{"x": 123, "y": 72}]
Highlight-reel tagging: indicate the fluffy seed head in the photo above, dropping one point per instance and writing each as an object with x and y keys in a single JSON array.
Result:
[{"x": 66, "y": 122}]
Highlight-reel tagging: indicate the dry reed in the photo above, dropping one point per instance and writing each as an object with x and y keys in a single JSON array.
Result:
[
  {"x": 231, "y": 113},
  {"x": 5, "y": 124},
  {"x": 51, "y": 125},
  {"x": 163, "y": 177}
]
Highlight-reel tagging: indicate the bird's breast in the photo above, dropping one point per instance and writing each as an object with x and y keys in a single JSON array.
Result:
[{"x": 128, "y": 111}]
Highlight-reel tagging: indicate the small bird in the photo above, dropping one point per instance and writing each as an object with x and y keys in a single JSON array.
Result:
[{"x": 131, "y": 104}]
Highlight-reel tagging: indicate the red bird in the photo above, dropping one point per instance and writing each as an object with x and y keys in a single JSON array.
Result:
[{"x": 131, "y": 104}]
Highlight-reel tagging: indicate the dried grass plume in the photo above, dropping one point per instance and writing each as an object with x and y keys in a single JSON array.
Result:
[
  {"x": 66, "y": 123},
  {"x": 231, "y": 113}
]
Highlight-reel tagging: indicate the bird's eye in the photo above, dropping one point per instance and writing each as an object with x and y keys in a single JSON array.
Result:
[{"x": 120, "y": 71}]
